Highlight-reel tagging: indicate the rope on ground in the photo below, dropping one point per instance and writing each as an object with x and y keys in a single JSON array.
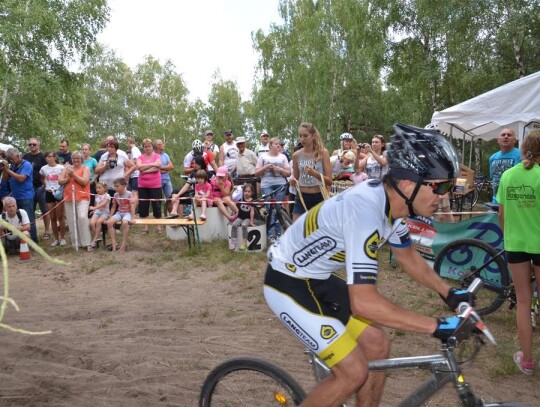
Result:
[{"x": 5, "y": 298}]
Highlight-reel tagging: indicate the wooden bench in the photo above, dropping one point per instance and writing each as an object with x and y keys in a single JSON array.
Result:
[{"x": 190, "y": 226}]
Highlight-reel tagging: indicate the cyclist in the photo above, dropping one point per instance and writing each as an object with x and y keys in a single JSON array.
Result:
[{"x": 341, "y": 320}]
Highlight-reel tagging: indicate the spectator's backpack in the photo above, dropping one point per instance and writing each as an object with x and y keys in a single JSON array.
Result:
[{"x": 18, "y": 216}]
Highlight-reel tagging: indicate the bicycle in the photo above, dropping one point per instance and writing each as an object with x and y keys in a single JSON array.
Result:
[
  {"x": 269, "y": 385},
  {"x": 463, "y": 260},
  {"x": 266, "y": 215}
]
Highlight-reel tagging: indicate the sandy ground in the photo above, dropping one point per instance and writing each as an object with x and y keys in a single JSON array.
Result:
[{"x": 145, "y": 327}]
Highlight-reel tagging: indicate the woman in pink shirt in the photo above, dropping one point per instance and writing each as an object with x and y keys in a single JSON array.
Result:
[{"x": 149, "y": 164}]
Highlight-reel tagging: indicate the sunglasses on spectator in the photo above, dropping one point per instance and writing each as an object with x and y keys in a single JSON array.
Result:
[
  {"x": 507, "y": 135},
  {"x": 32, "y": 144},
  {"x": 440, "y": 188}
]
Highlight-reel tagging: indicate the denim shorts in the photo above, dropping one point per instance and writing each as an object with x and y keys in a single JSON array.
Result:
[{"x": 309, "y": 199}]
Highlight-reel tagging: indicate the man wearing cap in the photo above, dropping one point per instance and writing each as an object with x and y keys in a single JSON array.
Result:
[
  {"x": 245, "y": 164},
  {"x": 228, "y": 153},
  {"x": 209, "y": 144},
  {"x": 264, "y": 145}
]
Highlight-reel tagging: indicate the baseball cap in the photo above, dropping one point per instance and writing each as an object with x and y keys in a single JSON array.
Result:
[
  {"x": 207, "y": 132},
  {"x": 265, "y": 133},
  {"x": 222, "y": 172},
  {"x": 227, "y": 132},
  {"x": 240, "y": 140}
]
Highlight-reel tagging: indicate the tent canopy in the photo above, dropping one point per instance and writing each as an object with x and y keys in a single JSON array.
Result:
[
  {"x": 4, "y": 147},
  {"x": 513, "y": 105}
]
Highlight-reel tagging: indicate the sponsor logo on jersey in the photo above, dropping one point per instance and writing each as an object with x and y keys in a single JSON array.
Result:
[
  {"x": 364, "y": 278},
  {"x": 298, "y": 331},
  {"x": 290, "y": 267},
  {"x": 371, "y": 245},
  {"x": 314, "y": 250},
  {"x": 327, "y": 332}
]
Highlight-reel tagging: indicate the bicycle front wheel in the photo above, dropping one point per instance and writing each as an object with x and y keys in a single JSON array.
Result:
[
  {"x": 250, "y": 382},
  {"x": 461, "y": 261}
]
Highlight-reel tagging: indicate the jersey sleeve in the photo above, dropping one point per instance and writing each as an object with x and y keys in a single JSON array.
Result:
[
  {"x": 187, "y": 160},
  {"x": 400, "y": 237}
]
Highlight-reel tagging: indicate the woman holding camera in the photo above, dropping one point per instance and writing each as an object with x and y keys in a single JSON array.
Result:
[
  {"x": 375, "y": 163},
  {"x": 114, "y": 164}
]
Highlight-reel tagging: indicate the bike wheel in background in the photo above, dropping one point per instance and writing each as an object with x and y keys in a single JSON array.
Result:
[
  {"x": 250, "y": 382},
  {"x": 461, "y": 261},
  {"x": 283, "y": 218}
]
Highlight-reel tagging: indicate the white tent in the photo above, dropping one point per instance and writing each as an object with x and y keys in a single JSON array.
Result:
[
  {"x": 4, "y": 147},
  {"x": 513, "y": 105}
]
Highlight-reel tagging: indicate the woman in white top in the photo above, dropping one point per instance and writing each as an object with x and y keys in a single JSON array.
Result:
[
  {"x": 114, "y": 164},
  {"x": 50, "y": 174},
  {"x": 273, "y": 169},
  {"x": 375, "y": 163}
]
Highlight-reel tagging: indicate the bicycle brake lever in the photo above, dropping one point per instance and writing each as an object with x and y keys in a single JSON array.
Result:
[{"x": 467, "y": 311}]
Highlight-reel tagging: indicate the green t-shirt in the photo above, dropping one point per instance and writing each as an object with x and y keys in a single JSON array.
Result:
[{"x": 519, "y": 193}]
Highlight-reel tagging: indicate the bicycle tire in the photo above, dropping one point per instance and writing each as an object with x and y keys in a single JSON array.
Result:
[
  {"x": 266, "y": 385},
  {"x": 507, "y": 404},
  {"x": 464, "y": 260},
  {"x": 283, "y": 218}
]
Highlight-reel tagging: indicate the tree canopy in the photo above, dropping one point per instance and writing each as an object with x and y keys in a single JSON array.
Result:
[{"x": 345, "y": 65}]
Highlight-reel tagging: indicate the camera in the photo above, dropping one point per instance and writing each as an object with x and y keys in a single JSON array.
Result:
[{"x": 112, "y": 163}]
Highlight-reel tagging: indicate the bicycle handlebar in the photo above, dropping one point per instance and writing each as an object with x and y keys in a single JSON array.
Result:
[{"x": 472, "y": 323}]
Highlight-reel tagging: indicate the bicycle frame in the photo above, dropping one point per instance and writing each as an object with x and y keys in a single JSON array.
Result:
[{"x": 444, "y": 368}]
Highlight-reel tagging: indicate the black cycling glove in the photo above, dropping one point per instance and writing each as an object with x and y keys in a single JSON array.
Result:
[
  {"x": 456, "y": 296},
  {"x": 446, "y": 327}
]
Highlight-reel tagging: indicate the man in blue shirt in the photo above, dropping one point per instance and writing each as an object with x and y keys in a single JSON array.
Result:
[
  {"x": 20, "y": 179},
  {"x": 506, "y": 158}
]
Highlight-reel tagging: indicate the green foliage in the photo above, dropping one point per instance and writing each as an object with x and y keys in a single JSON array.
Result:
[
  {"x": 345, "y": 65},
  {"x": 225, "y": 110},
  {"x": 38, "y": 41}
]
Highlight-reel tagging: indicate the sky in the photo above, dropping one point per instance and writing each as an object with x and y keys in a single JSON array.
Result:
[{"x": 198, "y": 36}]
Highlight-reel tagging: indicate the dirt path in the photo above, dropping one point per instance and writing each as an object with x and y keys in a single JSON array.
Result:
[{"x": 144, "y": 328}]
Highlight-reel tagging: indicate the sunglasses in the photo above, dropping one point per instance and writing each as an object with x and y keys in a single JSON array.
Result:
[
  {"x": 507, "y": 135},
  {"x": 440, "y": 188},
  {"x": 32, "y": 144}
]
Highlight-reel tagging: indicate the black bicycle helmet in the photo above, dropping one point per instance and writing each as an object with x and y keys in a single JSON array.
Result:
[
  {"x": 417, "y": 155},
  {"x": 421, "y": 154},
  {"x": 197, "y": 146}
]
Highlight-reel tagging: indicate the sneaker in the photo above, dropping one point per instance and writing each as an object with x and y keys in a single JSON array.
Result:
[
  {"x": 55, "y": 243},
  {"x": 62, "y": 242},
  {"x": 242, "y": 247},
  {"x": 525, "y": 367},
  {"x": 90, "y": 248}
]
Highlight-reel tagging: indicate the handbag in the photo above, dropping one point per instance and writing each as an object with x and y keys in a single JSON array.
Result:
[{"x": 59, "y": 193}]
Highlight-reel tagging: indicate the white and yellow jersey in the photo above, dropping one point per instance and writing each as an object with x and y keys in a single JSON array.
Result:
[{"x": 345, "y": 231}]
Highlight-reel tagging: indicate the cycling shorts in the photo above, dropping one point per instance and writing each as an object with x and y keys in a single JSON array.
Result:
[
  {"x": 522, "y": 257},
  {"x": 317, "y": 312}
]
